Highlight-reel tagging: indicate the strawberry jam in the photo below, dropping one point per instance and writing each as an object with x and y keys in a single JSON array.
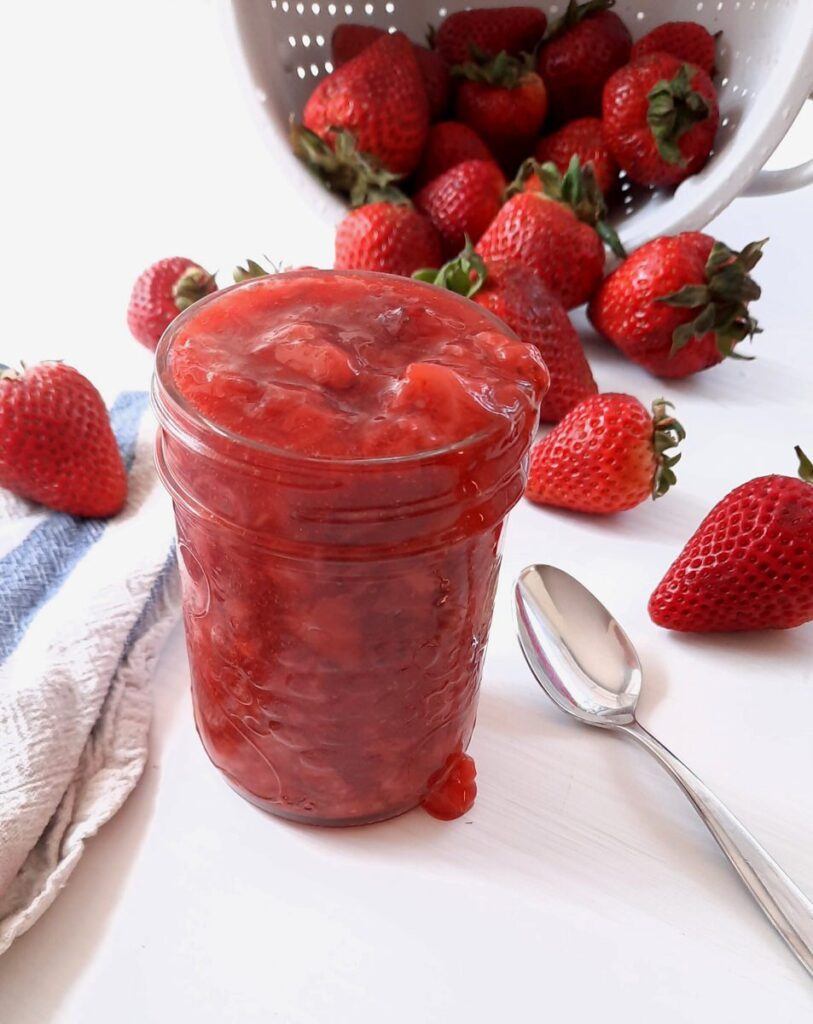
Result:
[{"x": 342, "y": 450}]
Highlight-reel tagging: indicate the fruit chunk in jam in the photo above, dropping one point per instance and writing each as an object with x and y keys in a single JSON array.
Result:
[{"x": 342, "y": 449}]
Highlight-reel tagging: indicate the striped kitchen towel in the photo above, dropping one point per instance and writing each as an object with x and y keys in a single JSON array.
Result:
[{"x": 85, "y": 606}]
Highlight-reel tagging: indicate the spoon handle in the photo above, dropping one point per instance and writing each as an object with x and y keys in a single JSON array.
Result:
[{"x": 786, "y": 906}]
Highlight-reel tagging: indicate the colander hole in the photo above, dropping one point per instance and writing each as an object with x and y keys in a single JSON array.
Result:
[
  {"x": 735, "y": 88},
  {"x": 301, "y": 72},
  {"x": 720, "y": 5},
  {"x": 273, "y": 5},
  {"x": 392, "y": 29},
  {"x": 329, "y": 66},
  {"x": 348, "y": 8},
  {"x": 300, "y": 8},
  {"x": 285, "y": 6},
  {"x": 306, "y": 40},
  {"x": 292, "y": 41},
  {"x": 700, "y": 5},
  {"x": 389, "y": 8},
  {"x": 723, "y": 83},
  {"x": 316, "y": 8},
  {"x": 368, "y": 9},
  {"x": 640, "y": 15},
  {"x": 442, "y": 12},
  {"x": 331, "y": 10},
  {"x": 315, "y": 70},
  {"x": 725, "y": 121},
  {"x": 554, "y": 9},
  {"x": 320, "y": 40}
]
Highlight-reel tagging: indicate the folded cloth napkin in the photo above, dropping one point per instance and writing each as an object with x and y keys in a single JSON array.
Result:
[{"x": 85, "y": 606}]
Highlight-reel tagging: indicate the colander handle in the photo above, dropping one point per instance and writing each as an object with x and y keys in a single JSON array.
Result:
[{"x": 771, "y": 183}]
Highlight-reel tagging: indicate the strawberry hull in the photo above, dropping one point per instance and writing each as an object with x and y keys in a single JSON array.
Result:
[{"x": 339, "y": 583}]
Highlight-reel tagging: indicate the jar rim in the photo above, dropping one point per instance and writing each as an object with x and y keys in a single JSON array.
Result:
[{"x": 166, "y": 396}]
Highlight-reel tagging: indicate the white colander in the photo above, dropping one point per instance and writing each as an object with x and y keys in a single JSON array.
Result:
[{"x": 765, "y": 62}]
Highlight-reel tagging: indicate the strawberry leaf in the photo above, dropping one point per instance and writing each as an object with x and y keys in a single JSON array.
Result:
[
  {"x": 674, "y": 108},
  {"x": 805, "y": 465}
]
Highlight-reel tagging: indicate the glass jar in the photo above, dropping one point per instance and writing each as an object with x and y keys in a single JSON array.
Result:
[{"x": 336, "y": 610}]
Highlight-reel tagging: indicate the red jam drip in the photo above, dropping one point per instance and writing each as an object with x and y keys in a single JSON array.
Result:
[{"x": 454, "y": 793}]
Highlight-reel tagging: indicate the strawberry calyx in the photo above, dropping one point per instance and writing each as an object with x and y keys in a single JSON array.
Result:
[
  {"x": 464, "y": 275},
  {"x": 723, "y": 300},
  {"x": 577, "y": 12},
  {"x": 805, "y": 465},
  {"x": 343, "y": 168},
  {"x": 251, "y": 270},
  {"x": 193, "y": 284},
  {"x": 667, "y": 433},
  {"x": 503, "y": 70},
  {"x": 576, "y": 188},
  {"x": 674, "y": 108}
]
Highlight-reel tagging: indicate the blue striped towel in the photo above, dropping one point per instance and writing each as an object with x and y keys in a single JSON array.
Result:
[{"x": 85, "y": 606}]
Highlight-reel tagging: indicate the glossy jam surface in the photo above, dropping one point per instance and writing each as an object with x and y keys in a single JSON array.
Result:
[{"x": 340, "y": 544}]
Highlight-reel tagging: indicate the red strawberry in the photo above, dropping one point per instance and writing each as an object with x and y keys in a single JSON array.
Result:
[
  {"x": 379, "y": 98},
  {"x": 513, "y": 29},
  {"x": 56, "y": 444},
  {"x": 516, "y": 295},
  {"x": 607, "y": 455},
  {"x": 449, "y": 143},
  {"x": 749, "y": 565},
  {"x": 389, "y": 237},
  {"x": 679, "y": 304},
  {"x": 504, "y": 102},
  {"x": 349, "y": 40},
  {"x": 555, "y": 232},
  {"x": 163, "y": 291},
  {"x": 685, "y": 40},
  {"x": 660, "y": 118},
  {"x": 583, "y": 138},
  {"x": 584, "y": 48},
  {"x": 462, "y": 202}
]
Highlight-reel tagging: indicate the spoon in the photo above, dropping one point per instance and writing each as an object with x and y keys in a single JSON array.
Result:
[{"x": 586, "y": 664}]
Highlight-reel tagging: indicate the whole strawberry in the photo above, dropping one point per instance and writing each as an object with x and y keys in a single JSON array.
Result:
[
  {"x": 607, "y": 455},
  {"x": 517, "y": 296},
  {"x": 583, "y": 49},
  {"x": 679, "y": 304},
  {"x": 504, "y": 102},
  {"x": 379, "y": 98},
  {"x": 749, "y": 565},
  {"x": 686, "y": 40},
  {"x": 350, "y": 39},
  {"x": 163, "y": 291},
  {"x": 56, "y": 444},
  {"x": 583, "y": 138},
  {"x": 660, "y": 118},
  {"x": 513, "y": 29},
  {"x": 389, "y": 237},
  {"x": 557, "y": 232},
  {"x": 462, "y": 202},
  {"x": 449, "y": 143}
]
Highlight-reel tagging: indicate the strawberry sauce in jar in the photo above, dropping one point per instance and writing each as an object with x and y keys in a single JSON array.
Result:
[{"x": 342, "y": 449}]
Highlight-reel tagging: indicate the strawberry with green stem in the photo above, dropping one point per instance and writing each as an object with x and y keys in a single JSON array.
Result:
[
  {"x": 749, "y": 565},
  {"x": 161, "y": 292},
  {"x": 680, "y": 303},
  {"x": 516, "y": 30}
]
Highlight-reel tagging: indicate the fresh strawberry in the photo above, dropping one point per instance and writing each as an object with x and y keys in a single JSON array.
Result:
[
  {"x": 516, "y": 295},
  {"x": 513, "y": 29},
  {"x": 56, "y": 443},
  {"x": 349, "y": 40},
  {"x": 679, "y": 304},
  {"x": 583, "y": 138},
  {"x": 583, "y": 49},
  {"x": 557, "y": 232},
  {"x": 379, "y": 98},
  {"x": 607, "y": 455},
  {"x": 163, "y": 291},
  {"x": 462, "y": 202},
  {"x": 389, "y": 237},
  {"x": 749, "y": 565},
  {"x": 504, "y": 102},
  {"x": 685, "y": 40},
  {"x": 449, "y": 143},
  {"x": 660, "y": 118}
]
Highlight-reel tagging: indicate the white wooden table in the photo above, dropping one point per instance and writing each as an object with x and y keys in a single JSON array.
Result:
[{"x": 581, "y": 887}]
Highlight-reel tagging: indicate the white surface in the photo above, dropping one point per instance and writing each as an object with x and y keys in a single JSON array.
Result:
[
  {"x": 581, "y": 887},
  {"x": 764, "y": 59}
]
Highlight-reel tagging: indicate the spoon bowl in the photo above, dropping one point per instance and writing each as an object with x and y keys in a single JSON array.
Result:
[{"x": 579, "y": 654}]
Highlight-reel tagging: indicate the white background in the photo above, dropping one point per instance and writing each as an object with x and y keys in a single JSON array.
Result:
[{"x": 581, "y": 887}]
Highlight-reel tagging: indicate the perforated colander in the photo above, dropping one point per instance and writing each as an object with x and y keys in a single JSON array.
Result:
[{"x": 765, "y": 73}]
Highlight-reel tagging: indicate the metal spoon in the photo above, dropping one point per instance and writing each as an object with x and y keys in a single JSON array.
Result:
[{"x": 586, "y": 664}]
